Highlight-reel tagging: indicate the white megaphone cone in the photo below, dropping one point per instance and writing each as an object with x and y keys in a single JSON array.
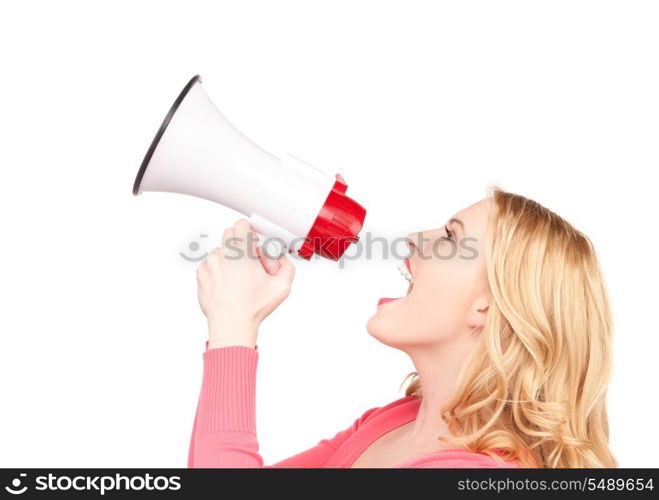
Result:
[{"x": 199, "y": 153}]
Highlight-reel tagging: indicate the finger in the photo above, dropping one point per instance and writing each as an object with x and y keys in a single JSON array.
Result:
[
  {"x": 228, "y": 233},
  {"x": 247, "y": 237},
  {"x": 213, "y": 258},
  {"x": 227, "y": 244}
]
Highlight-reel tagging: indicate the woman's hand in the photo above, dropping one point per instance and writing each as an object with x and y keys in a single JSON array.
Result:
[{"x": 239, "y": 286}]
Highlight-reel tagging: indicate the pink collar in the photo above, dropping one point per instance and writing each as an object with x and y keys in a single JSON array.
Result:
[{"x": 390, "y": 417}]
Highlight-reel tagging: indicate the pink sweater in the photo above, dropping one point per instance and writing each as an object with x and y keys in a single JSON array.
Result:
[{"x": 224, "y": 430}]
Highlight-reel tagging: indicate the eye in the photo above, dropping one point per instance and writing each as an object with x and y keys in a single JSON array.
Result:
[{"x": 449, "y": 234}]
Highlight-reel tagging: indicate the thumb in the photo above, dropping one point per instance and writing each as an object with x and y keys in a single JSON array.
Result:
[
  {"x": 270, "y": 265},
  {"x": 286, "y": 271}
]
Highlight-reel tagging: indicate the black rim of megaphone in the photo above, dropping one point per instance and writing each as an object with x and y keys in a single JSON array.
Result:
[{"x": 161, "y": 131}]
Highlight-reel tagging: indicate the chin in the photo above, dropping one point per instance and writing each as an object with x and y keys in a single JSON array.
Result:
[{"x": 380, "y": 329}]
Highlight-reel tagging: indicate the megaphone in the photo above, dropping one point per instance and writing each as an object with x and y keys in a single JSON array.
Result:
[{"x": 198, "y": 152}]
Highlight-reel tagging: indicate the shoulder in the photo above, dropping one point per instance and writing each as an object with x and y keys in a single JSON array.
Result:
[{"x": 457, "y": 458}]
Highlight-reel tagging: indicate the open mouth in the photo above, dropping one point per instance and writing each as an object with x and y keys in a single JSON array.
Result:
[{"x": 405, "y": 270}]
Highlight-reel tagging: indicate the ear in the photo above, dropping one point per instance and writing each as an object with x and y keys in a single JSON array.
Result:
[{"x": 478, "y": 312}]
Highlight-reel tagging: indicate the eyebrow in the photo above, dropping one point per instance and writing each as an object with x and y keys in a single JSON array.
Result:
[{"x": 458, "y": 221}]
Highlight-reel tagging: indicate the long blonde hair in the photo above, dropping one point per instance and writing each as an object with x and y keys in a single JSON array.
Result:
[{"x": 534, "y": 388}]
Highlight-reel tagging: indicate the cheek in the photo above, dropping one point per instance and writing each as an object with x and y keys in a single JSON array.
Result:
[
  {"x": 438, "y": 308},
  {"x": 435, "y": 310},
  {"x": 441, "y": 299}
]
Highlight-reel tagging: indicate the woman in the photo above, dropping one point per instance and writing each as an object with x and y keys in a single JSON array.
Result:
[{"x": 506, "y": 321}]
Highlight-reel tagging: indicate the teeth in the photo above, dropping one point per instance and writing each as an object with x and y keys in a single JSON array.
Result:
[{"x": 405, "y": 272}]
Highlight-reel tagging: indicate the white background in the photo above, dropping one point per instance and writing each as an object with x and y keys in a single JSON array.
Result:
[{"x": 420, "y": 105}]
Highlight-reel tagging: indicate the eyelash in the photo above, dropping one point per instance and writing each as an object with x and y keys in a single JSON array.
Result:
[{"x": 449, "y": 235}]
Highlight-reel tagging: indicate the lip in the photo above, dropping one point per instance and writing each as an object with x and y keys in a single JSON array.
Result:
[
  {"x": 385, "y": 300},
  {"x": 407, "y": 263}
]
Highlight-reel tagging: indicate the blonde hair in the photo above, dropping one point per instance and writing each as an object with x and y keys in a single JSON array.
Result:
[{"x": 534, "y": 388}]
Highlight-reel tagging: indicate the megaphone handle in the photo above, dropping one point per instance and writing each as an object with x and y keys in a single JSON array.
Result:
[{"x": 273, "y": 234}]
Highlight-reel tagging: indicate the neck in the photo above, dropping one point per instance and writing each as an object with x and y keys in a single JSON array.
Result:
[{"x": 438, "y": 368}]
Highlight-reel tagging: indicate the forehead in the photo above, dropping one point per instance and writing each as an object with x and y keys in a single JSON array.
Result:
[{"x": 474, "y": 217}]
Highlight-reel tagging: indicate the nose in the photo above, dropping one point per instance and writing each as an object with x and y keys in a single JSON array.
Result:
[{"x": 410, "y": 240}]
